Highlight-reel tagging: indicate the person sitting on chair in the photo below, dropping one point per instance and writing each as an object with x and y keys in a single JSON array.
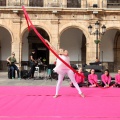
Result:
[{"x": 11, "y": 62}]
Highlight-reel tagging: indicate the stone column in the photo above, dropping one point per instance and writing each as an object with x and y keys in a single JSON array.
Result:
[
  {"x": 104, "y": 4},
  {"x": 17, "y": 43},
  {"x": 83, "y": 3},
  {"x": 55, "y": 38},
  {"x": 90, "y": 50},
  {"x": 64, "y": 3}
]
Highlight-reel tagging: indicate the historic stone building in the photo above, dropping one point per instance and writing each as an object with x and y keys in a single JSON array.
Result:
[{"x": 65, "y": 24}]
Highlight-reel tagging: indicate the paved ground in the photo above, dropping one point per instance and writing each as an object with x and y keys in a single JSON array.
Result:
[{"x": 4, "y": 81}]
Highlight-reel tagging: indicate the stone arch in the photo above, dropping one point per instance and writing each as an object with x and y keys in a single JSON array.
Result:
[
  {"x": 74, "y": 25},
  {"x": 79, "y": 45},
  {"x": 109, "y": 51},
  {"x": 117, "y": 51},
  {"x": 6, "y": 39},
  {"x": 25, "y": 35},
  {"x": 8, "y": 29},
  {"x": 113, "y": 27},
  {"x": 24, "y": 29}
]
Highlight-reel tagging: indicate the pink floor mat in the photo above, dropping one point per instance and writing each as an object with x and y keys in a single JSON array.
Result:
[{"x": 37, "y": 103}]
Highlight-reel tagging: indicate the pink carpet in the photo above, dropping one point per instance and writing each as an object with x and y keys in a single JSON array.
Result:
[{"x": 37, "y": 103}]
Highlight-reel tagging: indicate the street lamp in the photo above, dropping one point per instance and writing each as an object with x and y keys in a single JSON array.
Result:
[{"x": 97, "y": 33}]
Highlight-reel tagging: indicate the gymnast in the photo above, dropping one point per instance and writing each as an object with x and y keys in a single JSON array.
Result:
[{"x": 62, "y": 69}]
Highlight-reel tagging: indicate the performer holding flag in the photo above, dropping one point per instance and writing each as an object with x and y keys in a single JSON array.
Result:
[{"x": 62, "y": 69}]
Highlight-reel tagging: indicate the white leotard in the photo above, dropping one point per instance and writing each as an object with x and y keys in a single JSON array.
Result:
[{"x": 60, "y": 65}]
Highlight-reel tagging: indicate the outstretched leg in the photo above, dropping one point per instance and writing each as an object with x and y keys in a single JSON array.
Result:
[{"x": 72, "y": 78}]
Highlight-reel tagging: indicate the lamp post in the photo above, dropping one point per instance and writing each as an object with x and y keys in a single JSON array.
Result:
[{"x": 97, "y": 33}]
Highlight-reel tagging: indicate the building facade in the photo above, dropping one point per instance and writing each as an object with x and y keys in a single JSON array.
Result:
[{"x": 65, "y": 24}]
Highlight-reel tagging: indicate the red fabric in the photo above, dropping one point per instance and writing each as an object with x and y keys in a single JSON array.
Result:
[
  {"x": 42, "y": 39},
  {"x": 27, "y": 23},
  {"x": 37, "y": 103}
]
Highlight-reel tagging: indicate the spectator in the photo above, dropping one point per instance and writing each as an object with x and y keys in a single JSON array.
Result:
[
  {"x": 106, "y": 78},
  {"x": 117, "y": 79},
  {"x": 12, "y": 61},
  {"x": 79, "y": 79},
  {"x": 92, "y": 78}
]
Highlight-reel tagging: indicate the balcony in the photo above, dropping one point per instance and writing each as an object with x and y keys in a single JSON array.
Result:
[
  {"x": 41, "y": 3},
  {"x": 36, "y": 3},
  {"x": 31, "y": 3},
  {"x": 111, "y": 3},
  {"x": 73, "y": 3}
]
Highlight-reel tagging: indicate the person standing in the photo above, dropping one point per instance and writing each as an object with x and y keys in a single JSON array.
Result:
[
  {"x": 62, "y": 69},
  {"x": 33, "y": 63},
  {"x": 12, "y": 61}
]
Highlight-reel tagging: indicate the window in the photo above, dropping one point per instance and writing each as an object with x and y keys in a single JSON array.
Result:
[
  {"x": 113, "y": 3},
  {"x": 36, "y": 3},
  {"x": 2, "y": 2},
  {"x": 74, "y": 3}
]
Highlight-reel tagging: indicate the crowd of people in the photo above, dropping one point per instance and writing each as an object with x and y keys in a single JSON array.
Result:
[{"x": 93, "y": 79}]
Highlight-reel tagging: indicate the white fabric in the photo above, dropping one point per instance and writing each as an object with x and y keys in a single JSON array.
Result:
[{"x": 60, "y": 65}]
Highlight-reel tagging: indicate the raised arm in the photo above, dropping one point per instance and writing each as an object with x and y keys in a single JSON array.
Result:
[{"x": 52, "y": 47}]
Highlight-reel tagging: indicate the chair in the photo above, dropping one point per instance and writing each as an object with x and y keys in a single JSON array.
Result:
[
  {"x": 37, "y": 71},
  {"x": 49, "y": 72}
]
